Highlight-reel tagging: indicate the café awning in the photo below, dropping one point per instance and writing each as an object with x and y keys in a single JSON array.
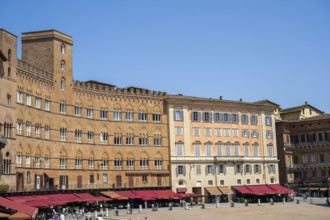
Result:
[
  {"x": 6, "y": 203},
  {"x": 225, "y": 190},
  {"x": 214, "y": 191}
]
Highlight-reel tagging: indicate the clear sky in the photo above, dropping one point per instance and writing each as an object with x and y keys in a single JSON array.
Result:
[{"x": 277, "y": 49}]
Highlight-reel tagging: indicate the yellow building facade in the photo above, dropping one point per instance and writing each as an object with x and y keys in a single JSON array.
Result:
[{"x": 217, "y": 144}]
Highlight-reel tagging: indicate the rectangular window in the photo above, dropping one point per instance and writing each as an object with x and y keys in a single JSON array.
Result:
[
  {"x": 218, "y": 132},
  {"x": 227, "y": 149},
  {"x": 28, "y": 129},
  {"x": 218, "y": 117},
  {"x": 207, "y": 116},
  {"x": 245, "y": 119},
  {"x": 28, "y": 100},
  {"x": 37, "y": 130},
  {"x": 222, "y": 182},
  {"x": 269, "y": 120},
  {"x": 63, "y": 134},
  {"x": 181, "y": 170},
  {"x": 238, "y": 168},
  {"x": 236, "y": 150},
  {"x": 255, "y": 150},
  {"x": 143, "y": 140},
  {"x": 179, "y": 149},
  {"x": 47, "y": 132},
  {"x": 248, "y": 168},
  {"x": 235, "y": 132},
  {"x": 227, "y": 132},
  {"x": 78, "y": 135},
  {"x": 90, "y": 113},
  {"x": 38, "y": 102},
  {"x": 322, "y": 158},
  {"x": 47, "y": 105},
  {"x": 62, "y": 108},
  {"x": 196, "y": 131},
  {"x": 257, "y": 168},
  {"x": 129, "y": 139},
  {"x": 129, "y": 116},
  {"x": 208, "y": 150},
  {"x": 195, "y": 116},
  {"x": 19, "y": 97},
  {"x": 130, "y": 164},
  {"x": 47, "y": 161},
  {"x": 144, "y": 178},
  {"x": 234, "y": 119},
  {"x": 91, "y": 163},
  {"x": 313, "y": 158},
  {"x": 255, "y": 134},
  {"x": 269, "y": 134},
  {"x": 77, "y": 111},
  {"x": 197, "y": 149},
  {"x": 157, "y": 140},
  {"x": 19, "y": 127},
  {"x": 270, "y": 150},
  {"x": 239, "y": 181},
  {"x": 305, "y": 159},
  {"x": 198, "y": 169},
  {"x": 221, "y": 169},
  {"x": 159, "y": 164},
  {"x": 156, "y": 118},
  {"x": 254, "y": 119},
  {"x": 90, "y": 136},
  {"x": 104, "y": 137},
  {"x": 246, "y": 150},
  {"x": 105, "y": 178},
  {"x": 219, "y": 149},
  {"x": 27, "y": 161},
  {"x": 103, "y": 114},
  {"x": 207, "y": 132},
  {"x": 226, "y": 117},
  {"x": 117, "y": 116},
  {"x": 144, "y": 164},
  {"x": 271, "y": 168},
  {"x": 210, "y": 182},
  {"x": 142, "y": 116},
  {"x": 245, "y": 133},
  {"x": 178, "y": 131},
  {"x": 178, "y": 115}
]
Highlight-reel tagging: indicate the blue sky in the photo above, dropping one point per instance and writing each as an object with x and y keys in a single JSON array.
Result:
[{"x": 277, "y": 50}]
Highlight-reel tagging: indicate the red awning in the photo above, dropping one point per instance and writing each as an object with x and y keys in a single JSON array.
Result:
[
  {"x": 165, "y": 194},
  {"x": 67, "y": 198},
  {"x": 280, "y": 189},
  {"x": 128, "y": 194},
  {"x": 6, "y": 203},
  {"x": 181, "y": 190},
  {"x": 261, "y": 190},
  {"x": 16, "y": 199},
  {"x": 244, "y": 190},
  {"x": 86, "y": 197},
  {"x": 37, "y": 204},
  {"x": 102, "y": 198}
]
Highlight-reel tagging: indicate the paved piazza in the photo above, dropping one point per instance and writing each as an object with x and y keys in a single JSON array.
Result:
[{"x": 265, "y": 211}]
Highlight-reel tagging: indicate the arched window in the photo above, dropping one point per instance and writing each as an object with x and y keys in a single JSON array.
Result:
[
  {"x": 8, "y": 100},
  {"x": 62, "y": 65},
  {"x": 9, "y": 55},
  {"x": 62, "y": 48},
  {"x": 62, "y": 84}
]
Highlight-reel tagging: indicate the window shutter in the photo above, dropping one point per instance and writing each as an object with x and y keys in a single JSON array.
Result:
[
  {"x": 184, "y": 169},
  {"x": 250, "y": 169},
  {"x": 210, "y": 115},
  {"x": 206, "y": 170},
  {"x": 224, "y": 169},
  {"x": 181, "y": 115},
  {"x": 213, "y": 169},
  {"x": 199, "y": 116},
  {"x": 177, "y": 171},
  {"x": 192, "y": 116}
]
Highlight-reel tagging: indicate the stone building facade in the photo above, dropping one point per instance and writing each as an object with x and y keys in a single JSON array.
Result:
[
  {"x": 303, "y": 137},
  {"x": 216, "y": 144},
  {"x": 64, "y": 134}
]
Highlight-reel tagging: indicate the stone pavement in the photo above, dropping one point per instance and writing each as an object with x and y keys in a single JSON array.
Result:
[{"x": 311, "y": 208}]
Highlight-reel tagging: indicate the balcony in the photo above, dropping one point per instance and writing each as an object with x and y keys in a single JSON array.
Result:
[{"x": 310, "y": 144}]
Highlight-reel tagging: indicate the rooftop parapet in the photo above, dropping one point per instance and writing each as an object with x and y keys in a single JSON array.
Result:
[
  {"x": 103, "y": 87},
  {"x": 34, "y": 70}
]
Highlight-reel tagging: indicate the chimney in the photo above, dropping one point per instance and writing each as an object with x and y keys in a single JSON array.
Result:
[{"x": 220, "y": 97}]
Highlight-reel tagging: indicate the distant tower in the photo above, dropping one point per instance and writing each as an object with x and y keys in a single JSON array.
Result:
[{"x": 50, "y": 51}]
